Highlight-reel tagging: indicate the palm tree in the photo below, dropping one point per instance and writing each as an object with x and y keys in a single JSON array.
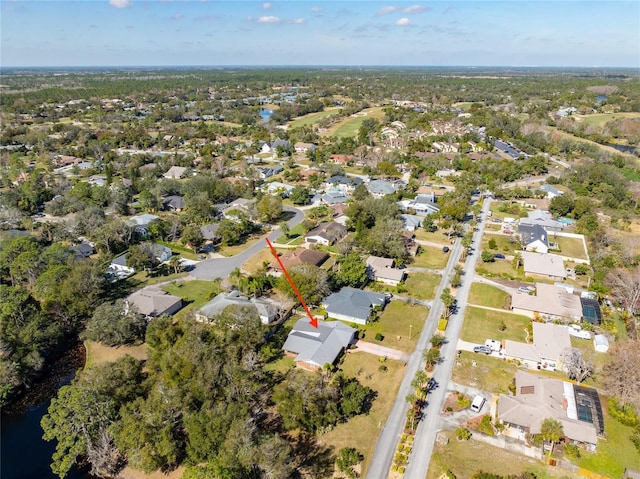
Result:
[{"x": 551, "y": 430}]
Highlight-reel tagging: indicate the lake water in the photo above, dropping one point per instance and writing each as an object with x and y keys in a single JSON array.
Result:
[
  {"x": 601, "y": 98},
  {"x": 265, "y": 113},
  {"x": 623, "y": 148}
]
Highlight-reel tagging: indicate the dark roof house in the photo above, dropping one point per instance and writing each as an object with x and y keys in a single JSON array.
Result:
[
  {"x": 534, "y": 238},
  {"x": 326, "y": 233},
  {"x": 300, "y": 256},
  {"x": 353, "y": 305}
]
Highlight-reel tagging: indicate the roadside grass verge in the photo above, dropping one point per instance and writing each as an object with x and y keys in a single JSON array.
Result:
[
  {"x": 255, "y": 263},
  {"x": 487, "y": 295},
  {"x": 482, "y": 324},
  {"x": 229, "y": 251},
  {"x": 484, "y": 372},
  {"x": 422, "y": 285},
  {"x": 395, "y": 323},
  {"x": 571, "y": 247},
  {"x": 430, "y": 257},
  {"x": 362, "y": 431},
  {"x": 465, "y": 458},
  {"x": 159, "y": 275}
]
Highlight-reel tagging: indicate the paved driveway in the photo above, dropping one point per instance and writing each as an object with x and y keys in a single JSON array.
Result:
[{"x": 380, "y": 350}]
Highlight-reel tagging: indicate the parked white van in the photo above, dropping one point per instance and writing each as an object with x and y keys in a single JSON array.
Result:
[{"x": 477, "y": 403}]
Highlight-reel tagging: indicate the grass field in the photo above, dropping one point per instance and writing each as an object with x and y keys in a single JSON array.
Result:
[
  {"x": 436, "y": 237},
  {"x": 487, "y": 295},
  {"x": 422, "y": 285},
  {"x": 600, "y": 119},
  {"x": 430, "y": 257},
  {"x": 255, "y": 263},
  {"x": 465, "y": 458},
  {"x": 229, "y": 251},
  {"x": 500, "y": 267},
  {"x": 194, "y": 294},
  {"x": 99, "y": 353},
  {"x": 484, "y": 372},
  {"x": 395, "y": 323},
  {"x": 362, "y": 431},
  {"x": 571, "y": 247},
  {"x": 503, "y": 243},
  {"x": 142, "y": 279},
  {"x": 351, "y": 125},
  {"x": 312, "y": 118},
  {"x": 481, "y": 324}
]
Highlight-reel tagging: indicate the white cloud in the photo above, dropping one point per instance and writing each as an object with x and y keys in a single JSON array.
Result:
[
  {"x": 316, "y": 9},
  {"x": 266, "y": 6},
  {"x": 269, "y": 19},
  {"x": 120, "y": 3},
  {"x": 415, "y": 9},
  {"x": 403, "y": 22},
  {"x": 387, "y": 10},
  {"x": 299, "y": 21}
]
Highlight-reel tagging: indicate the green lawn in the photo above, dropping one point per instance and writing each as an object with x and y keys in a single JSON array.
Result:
[
  {"x": 481, "y": 324},
  {"x": 194, "y": 293},
  {"x": 487, "y": 295},
  {"x": 312, "y": 118},
  {"x": 350, "y": 126},
  {"x": 436, "y": 237},
  {"x": 571, "y": 247},
  {"x": 503, "y": 243},
  {"x": 430, "y": 257},
  {"x": 615, "y": 452},
  {"x": 179, "y": 249},
  {"x": 395, "y": 323},
  {"x": 239, "y": 248},
  {"x": 159, "y": 275},
  {"x": 484, "y": 372},
  {"x": 465, "y": 458},
  {"x": 599, "y": 119},
  {"x": 362, "y": 431},
  {"x": 422, "y": 285}
]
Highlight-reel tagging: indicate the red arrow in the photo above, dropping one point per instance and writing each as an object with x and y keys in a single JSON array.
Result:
[{"x": 314, "y": 321}]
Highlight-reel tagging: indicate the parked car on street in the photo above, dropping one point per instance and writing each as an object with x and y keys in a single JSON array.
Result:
[{"x": 526, "y": 289}]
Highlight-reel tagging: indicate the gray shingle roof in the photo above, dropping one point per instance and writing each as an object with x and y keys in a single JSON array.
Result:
[
  {"x": 318, "y": 346},
  {"x": 353, "y": 302},
  {"x": 531, "y": 233}
]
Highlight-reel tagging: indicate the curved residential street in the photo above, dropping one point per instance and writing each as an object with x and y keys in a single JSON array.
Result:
[{"x": 221, "y": 267}]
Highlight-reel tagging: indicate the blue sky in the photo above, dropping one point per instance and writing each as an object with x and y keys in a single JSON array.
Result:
[{"x": 317, "y": 32}]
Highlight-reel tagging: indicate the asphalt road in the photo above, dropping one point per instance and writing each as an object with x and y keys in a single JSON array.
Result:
[
  {"x": 221, "y": 267},
  {"x": 392, "y": 430},
  {"x": 428, "y": 428}
]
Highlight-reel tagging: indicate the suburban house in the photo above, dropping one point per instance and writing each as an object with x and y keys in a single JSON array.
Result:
[
  {"x": 551, "y": 191},
  {"x": 541, "y": 264},
  {"x": 312, "y": 348},
  {"x": 353, "y": 305},
  {"x": 550, "y": 302},
  {"x": 382, "y": 269},
  {"x": 173, "y": 203},
  {"x": 411, "y": 222},
  {"x": 141, "y": 222},
  {"x": 265, "y": 310},
  {"x": 270, "y": 171},
  {"x": 152, "y": 302},
  {"x": 210, "y": 232},
  {"x": 422, "y": 204},
  {"x": 302, "y": 147},
  {"x": 534, "y": 238},
  {"x": 84, "y": 249},
  {"x": 299, "y": 256},
  {"x": 550, "y": 342},
  {"x": 176, "y": 172},
  {"x": 334, "y": 197},
  {"x": 542, "y": 218},
  {"x": 118, "y": 268},
  {"x": 343, "y": 183},
  {"x": 537, "y": 398},
  {"x": 341, "y": 159},
  {"x": 160, "y": 252},
  {"x": 241, "y": 205},
  {"x": 326, "y": 233},
  {"x": 278, "y": 188},
  {"x": 272, "y": 147},
  {"x": 380, "y": 188}
]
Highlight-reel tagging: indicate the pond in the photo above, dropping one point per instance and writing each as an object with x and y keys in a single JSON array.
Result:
[
  {"x": 623, "y": 148},
  {"x": 601, "y": 98},
  {"x": 266, "y": 113}
]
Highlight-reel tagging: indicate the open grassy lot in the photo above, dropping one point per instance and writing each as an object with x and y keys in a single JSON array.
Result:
[
  {"x": 571, "y": 247},
  {"x": 362, "y": 431},
  {"x": 142, "y": 279},
  {"x": 312, "y": 118},
  {"x": 430, "y": 257},
  {"x": 503, "y": 243},
  {"x": 422, "y": 285},
  {"x": 351, "y": 125},
  {"x": 613, "y": 453},
  {"x": 599, "y": 119},
  {"x": 395, "y": 323},
  {"x": 194, "y": 293},
  {"x": 99, "y": 353},
  {"x": 500, "y": 267},
  {"x": 436, "y": 237},
  {"x": 255, "y": 263},
  {"x": 487, "y": 295},
  {"x": 484, "y": 372},
  {"x": 229, "y": 251},
  {"x": 481, "y": 324},
  {"x": 465, "y": 458}
]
